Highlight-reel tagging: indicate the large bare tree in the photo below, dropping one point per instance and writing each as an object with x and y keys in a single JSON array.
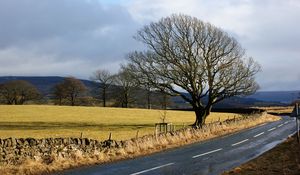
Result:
[
  {"x": 105, "y": 80},
  {"x": 187, "y": 54}
]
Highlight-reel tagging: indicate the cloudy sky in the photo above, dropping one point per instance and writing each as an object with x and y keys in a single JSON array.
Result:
[{"x": 76, "y": 37}]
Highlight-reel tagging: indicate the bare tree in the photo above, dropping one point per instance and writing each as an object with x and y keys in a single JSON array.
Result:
[
  {"x": 70, "y": 89},
  {"x": 18, "y": 92},
  {"x": 59, "y": 93},
  {"x": 125, "y": 80},
  {"x": 105, "y": 80},
  {"x": 143, "y": 82},
  {"x": 199, "y": 58}
]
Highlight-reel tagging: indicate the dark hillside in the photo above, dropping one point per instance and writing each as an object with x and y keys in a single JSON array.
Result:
[
  {"x": 278, "y": 98},
  {"x": 45, "y": 84}
]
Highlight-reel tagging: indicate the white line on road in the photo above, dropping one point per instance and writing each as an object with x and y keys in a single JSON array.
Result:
[
  {"x": 271, "y": 129},
  {"x": 286, "y": 122},
  {"x": 279, "y": 125},
  {"x": 262, "y": 124},
  {"x": 240, "y": 142},
  {"x": 292, "y": 134},
  {"x": 151, "y": 169},
  {"x": 259, "y": 134},
  {"x": 207, "y": 153}
]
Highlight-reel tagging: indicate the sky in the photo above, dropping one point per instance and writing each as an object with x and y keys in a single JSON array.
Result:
[{"x": 77, "y": 37}]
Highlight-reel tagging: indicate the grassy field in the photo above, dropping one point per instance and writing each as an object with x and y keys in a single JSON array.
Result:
[{"x": 94, "y": 122}]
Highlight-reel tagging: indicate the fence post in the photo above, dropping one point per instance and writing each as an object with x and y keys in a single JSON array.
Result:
[
  {"x": 297, "y": 122},
  {"x": 109, "y": 137},
  {"x": 137, "y": 134},
  {"x": 81, "y": 135}
]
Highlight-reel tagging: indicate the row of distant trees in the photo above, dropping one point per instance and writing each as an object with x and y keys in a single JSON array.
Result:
[
  {"x": 109, "y": 89},
  {"x": 120, "y": 89}
]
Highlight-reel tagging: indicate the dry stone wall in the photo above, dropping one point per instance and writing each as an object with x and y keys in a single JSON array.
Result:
[{"x": 16, "y": 150}]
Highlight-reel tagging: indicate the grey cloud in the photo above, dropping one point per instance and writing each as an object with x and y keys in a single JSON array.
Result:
[
  {"x": 63, "y": 31},
  {"x": 34, "y": 19},
  {"x": 75, "y": 37}
]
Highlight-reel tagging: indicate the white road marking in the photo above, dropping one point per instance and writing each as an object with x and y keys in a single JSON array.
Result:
[
  {"x": 240, "y": 142},
  {"x": 292, "y": 134},
  {"x": 262, "y": 124},
  {"x": 151, "y": 169},
  {"x": 286, "y": 122},
  {"x": 207, "y": 153},
  {"x": 279, "y": 125},
  {"x": 271, "y": 129},
  {"x": 259, "y": 134}
]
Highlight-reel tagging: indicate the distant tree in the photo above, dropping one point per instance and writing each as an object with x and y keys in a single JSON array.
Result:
[
  {"x": 105, "y": 80},
  {"x": 143, "y": 82},
  {"x": 70, "y": 89},
  {"x": 187, "y": 54},
  {"x": 59, "y": 93},
  {"x": 125, "y": 81},
  {"x": 164, "y": 99},
  {"x": 2, "y": 99},
  {"x": 18, "y": 92}
]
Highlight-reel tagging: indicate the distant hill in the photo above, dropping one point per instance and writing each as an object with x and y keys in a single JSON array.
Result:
[
  {"x": 45, "y": 84},
  {"x": 234, "y": 102},
  {"x": 285, "y": 97},
  {"x": 275, "y": 98}
]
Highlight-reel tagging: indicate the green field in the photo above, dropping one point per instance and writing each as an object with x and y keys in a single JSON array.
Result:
[{"x": 94, "y": 122}]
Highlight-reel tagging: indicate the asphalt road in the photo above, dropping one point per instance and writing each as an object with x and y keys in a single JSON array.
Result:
[{"x": 210, "y": 157}]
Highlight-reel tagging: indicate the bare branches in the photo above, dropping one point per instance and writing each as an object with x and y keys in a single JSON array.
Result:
[
  {"x": 18, "y": 92},
  {"x": 125, "y": 80},
  {"x": 105, "y": 80},
  {"x": 195, "y": 56},
  {"x": 70, "y": 89}
]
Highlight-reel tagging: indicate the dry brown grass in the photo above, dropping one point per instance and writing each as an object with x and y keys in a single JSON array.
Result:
[
  {"x": 278, "y": 109},
  {"x": 284, "y": 159},
  {"x": 137, "y": 147}
]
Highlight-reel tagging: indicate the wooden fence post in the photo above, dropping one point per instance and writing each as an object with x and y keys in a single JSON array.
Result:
[{"x": 109, "y": 137}]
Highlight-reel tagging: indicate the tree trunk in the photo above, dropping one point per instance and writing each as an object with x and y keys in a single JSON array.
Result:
[
  {"x": 72, "y": 100},
  {"x": 126, "y": 100},
  {"x": 165, "y": 101},
  {"x": 104, "y": 97},
  {"x": 60, "y": 101},
  {"x": 201, "y": 115},
  {"x": 148, "y": 99}
]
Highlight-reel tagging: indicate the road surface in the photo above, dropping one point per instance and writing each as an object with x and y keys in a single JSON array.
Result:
[{"x": 206, "y": 158}]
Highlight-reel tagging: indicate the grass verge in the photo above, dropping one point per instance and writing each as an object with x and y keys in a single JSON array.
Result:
[
  {"x": 138, "y": 147},
  {"x": 284, "y": 159}
]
